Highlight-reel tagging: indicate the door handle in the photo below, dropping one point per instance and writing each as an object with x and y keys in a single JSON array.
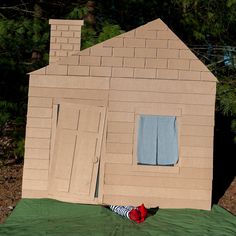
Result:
[{"x": 95, "y": 159}]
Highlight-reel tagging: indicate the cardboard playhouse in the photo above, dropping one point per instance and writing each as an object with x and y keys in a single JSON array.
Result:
[{"x": 125, "y": 122}]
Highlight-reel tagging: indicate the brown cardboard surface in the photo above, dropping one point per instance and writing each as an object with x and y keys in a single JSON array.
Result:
[
  {"x": 147, "y": 70},
  {"x": 77, "y": 148}
]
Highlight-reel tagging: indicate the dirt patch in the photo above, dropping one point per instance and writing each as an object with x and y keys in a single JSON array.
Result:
[
  {"x": 228, "y": 201},
  {"x": 10, "y": 187},
  {"x": 11, "y": 183}
]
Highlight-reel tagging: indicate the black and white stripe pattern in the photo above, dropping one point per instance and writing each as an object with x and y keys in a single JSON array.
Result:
[{"x": 122, "y": 210}]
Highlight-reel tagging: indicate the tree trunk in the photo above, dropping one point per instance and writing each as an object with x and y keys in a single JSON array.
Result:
[
  {"x": 90, "y": 18},
  {"x": 38, "y": 13}
]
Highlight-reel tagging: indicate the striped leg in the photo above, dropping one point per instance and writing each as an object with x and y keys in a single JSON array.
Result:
[{"x": 122, "y": 210}]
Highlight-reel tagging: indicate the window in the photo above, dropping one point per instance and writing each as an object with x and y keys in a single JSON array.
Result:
[{"x": 157, "y": 140}]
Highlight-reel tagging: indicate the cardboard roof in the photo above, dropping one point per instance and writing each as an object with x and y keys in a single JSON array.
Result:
[{"x": 151, "y": 51}]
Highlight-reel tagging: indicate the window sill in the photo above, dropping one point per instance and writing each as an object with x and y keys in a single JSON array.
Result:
[{"x": 157, "y": 169}]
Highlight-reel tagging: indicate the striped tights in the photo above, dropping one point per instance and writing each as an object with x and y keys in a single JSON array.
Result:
[{"x": 122, "y": 210}]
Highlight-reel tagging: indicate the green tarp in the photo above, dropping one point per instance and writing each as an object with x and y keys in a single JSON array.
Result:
[{"x": 44, "y": 217}]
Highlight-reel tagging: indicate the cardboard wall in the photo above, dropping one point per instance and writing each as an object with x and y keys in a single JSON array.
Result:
[
  {"x": 147, "y": 70},
  {"x": 188, "y": 184}
]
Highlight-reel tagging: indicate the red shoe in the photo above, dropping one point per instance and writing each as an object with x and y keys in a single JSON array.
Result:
[
  {"x": 135, "y": 215},
  {"x": 143, "y": 211}
]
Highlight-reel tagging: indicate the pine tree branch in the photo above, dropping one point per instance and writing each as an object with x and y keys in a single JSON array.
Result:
[
  {"x": 1, "y": 15},
  {"x": 24, "y": 4},
  {"x": 16, "y": 8}
]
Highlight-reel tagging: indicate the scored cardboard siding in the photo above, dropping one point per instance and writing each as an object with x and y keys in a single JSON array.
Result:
[
  {"x": 158, "y": 182},
  {"x": 198, "y": 120},
  {"x": 197, "y": 152},
  {"x": 165, "y": 192},
  {"x": 120, "y": 127},
  {"x": 69, "y": 93},
  {"x": 38, "y": 164},
  {"x": 131, "y": 59},
  {"x": 36, "y": 153},
  {"x": 197, "y": 130},
  {"x": 99, "y": 103},
  {"x": 118, "y": 158},
  {"x": 38, "y": 133},
  {"x": 119, "y": 138},
  {"x": 196, "y": 141},
  {"x": 121, "y": 116},
  {"x": 39, "y": 112},
  {"x": 39, "y": 102},
  {"x": 38, "y": 122},
  {"x": 35, "y": 174},
  {"x": 34, "y": 185},
  {"x": 120, "y": 148},
  {"x": 163, "y": 86},
  {"x": 188, "y": 172},
  {"x": 197, "y": 162},
  {"x": 42, "y": 143},
  {"x": 34, "y": 193},
  {"x": 203, "y": 111},
  {"x": 134, "y": 96},
  {"x": 156, "y": 202},
  {"x": 56, "y": 81}
]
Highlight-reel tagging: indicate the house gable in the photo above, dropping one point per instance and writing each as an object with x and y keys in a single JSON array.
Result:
[{"x": 151, "y": 51}]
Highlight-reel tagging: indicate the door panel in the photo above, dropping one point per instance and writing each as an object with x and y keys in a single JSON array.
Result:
[
  {"x": 82, "y": 173},
  {"x": 65, "y": 153},
  {"x": 89, "y": 121},
  {"x": 77, "y": 152},
  {"x": 68, "y": 118}
]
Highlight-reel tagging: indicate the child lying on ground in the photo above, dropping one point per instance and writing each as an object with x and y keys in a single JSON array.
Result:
[{"x": 137, "y": 214}]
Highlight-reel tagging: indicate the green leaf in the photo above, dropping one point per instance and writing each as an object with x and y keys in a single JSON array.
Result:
[
  {"x": 109, "y": 31},
  {"x": 78, "y": 13},
  {"x": 230, "y": 3}
]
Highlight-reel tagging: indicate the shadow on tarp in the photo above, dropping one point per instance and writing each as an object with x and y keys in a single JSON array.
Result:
[{"x": 224, "y": 157}]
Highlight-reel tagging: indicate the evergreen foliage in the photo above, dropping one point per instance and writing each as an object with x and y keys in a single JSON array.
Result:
[{"x": 207, "y": 27}]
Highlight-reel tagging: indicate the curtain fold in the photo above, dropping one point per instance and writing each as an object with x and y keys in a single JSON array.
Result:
[
  {"x": 167, "y": 145},
  {"x": 147, "y": 140}
]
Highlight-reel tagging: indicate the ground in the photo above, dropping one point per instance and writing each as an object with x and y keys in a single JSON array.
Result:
[
  {"x": 228, "y": 201},
  {"x": 10, "y": 188},
  {"x": 11, "y": 181}
]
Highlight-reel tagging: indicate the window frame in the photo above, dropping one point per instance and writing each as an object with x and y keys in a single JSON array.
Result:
[{"x": 161, "y": 111}]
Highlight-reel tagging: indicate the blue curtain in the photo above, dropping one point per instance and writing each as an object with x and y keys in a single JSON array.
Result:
[{"x": 157, "y": 140}]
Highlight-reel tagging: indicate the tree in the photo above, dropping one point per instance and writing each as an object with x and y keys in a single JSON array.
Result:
[
  {"x": 24, "y": 46},
  {"x": 211, "y": 25},
  {"x": 207, "y": 27}
]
